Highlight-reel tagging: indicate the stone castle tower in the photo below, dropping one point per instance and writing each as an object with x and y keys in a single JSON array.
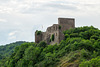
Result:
[{"x": 54, "y": 34}]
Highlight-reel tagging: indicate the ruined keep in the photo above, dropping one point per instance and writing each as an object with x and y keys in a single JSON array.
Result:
[{"x": 54, "y": 34}]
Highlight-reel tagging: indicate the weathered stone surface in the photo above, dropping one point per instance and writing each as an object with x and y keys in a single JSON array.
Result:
[{"x": 56, "y": 30}]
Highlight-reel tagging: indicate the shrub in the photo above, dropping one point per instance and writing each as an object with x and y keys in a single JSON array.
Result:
[
  {"x": 52, "y": 37},
  {"x": 95, "y": 62},
  {"x": 38, "y": 32},
  {"x": 74, "y": 35},
  {"x": 50, "y": 40},
  {"x": 66, "y": 36},
  {"x": 59, "y": 26},
  {"x": 84, "y": 54},
  {"x": 94, "y": 37},
  {"x": 42, "y": 44}
]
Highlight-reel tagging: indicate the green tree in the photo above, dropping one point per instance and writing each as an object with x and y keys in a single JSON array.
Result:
[{"x": 95, "y": 62}]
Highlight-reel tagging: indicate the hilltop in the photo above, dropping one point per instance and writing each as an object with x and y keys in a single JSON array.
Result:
[
  {"x": 80, "y": 48},
  {"x": 8, "y": 49}
]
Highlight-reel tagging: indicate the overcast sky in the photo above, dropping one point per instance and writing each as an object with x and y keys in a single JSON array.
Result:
[{"x": 20, "y": 18}]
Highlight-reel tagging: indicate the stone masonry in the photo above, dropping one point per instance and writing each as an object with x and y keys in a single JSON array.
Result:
[{"x": 56, "y": 30}]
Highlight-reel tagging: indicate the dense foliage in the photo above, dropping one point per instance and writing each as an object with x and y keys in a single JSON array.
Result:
[
  {"x": 81, "y": 47},
  {"x": 52, "y": 38},
  {"x": 59, "y": 26},
  {"x": 38, "y": 32},
  {"x": 7, "y": 50},
  {"x": 95, "y": 62}
]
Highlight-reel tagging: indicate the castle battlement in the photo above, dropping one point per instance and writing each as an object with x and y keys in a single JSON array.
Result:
[{"x": 54, "y": 34}]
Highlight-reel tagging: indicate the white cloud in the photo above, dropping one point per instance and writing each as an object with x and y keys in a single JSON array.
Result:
[
  {"x": 12, "y": 33},
  {"x": 12, "y": 38},
  {"x": 3, "y": 20}
]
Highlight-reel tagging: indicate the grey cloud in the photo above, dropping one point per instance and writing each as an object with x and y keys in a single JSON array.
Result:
[
  {"x": 91, "y": 5},
  {"x": 46, "y": 8},
  {"x": 3, "y": 1},
  {"x": 60, "y": 6},
  {"x": 32, "y": 10},
  {"x": 52, "y": 6}
]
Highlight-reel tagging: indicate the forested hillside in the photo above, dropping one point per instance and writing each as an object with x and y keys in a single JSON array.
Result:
[
  {"x": 81, "y": 48},
  {"x": 7, "y": 50}
]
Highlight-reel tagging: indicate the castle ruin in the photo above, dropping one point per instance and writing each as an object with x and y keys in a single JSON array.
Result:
[{"x": 54, "y": 34}]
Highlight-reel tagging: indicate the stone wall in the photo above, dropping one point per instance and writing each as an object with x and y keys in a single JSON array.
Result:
[
  {"x": 38, "y": 38},
  {"x": 66, "y": 23}
]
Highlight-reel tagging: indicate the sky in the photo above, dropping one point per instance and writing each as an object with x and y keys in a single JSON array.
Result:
[{"x": 19, "y": 19}]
